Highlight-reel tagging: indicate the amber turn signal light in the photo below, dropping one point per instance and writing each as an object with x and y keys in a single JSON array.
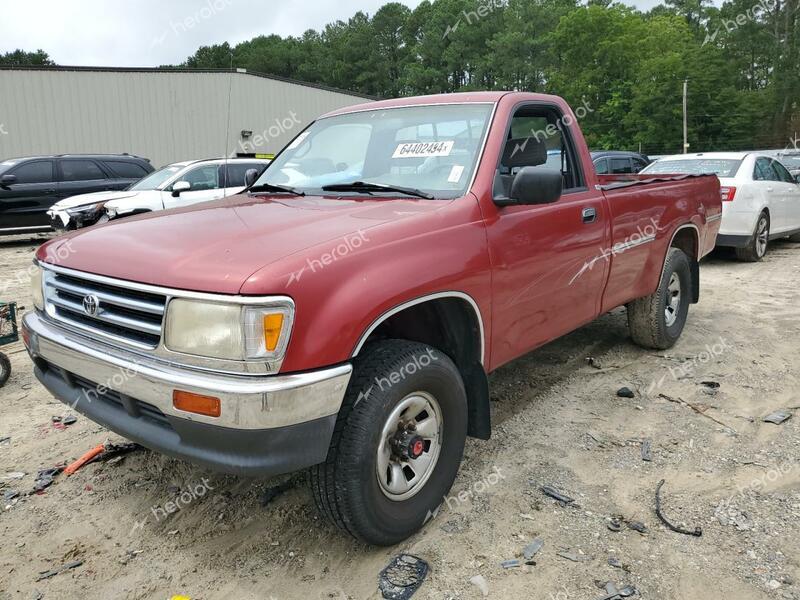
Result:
[
  {"x": 273, "y": 323},
  {"x": 196, "y": 403}
]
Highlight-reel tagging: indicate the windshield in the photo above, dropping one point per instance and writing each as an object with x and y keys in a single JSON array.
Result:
[
  {"x": 790, "y": 162},
  {"x": 429, "y": 148},
  {"x": 721, "y": 167},
  {"x": 155, "y": 180}
]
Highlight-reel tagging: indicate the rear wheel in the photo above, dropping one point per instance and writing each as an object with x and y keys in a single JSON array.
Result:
[
  {"x": 657, "y": 321},
  {"x": 397, "y": 445},
  {"x": 757, "y": 246}
]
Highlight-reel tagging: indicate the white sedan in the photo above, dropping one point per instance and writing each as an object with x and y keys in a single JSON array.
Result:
[
  {"x": 178, "y": 184},
  {"x": 760, "y": 199}
]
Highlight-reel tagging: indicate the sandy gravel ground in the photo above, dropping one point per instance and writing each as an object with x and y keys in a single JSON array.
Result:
[{"x": 557, "y": 421}]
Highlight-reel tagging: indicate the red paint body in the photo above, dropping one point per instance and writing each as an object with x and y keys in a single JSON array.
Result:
[{"x": 525, "y": 266}]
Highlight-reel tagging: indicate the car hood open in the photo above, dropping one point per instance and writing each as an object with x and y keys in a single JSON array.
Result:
[{"x": 216, "y": 246}]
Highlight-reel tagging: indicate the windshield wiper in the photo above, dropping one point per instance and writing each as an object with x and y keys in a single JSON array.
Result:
[
  {"x": 272, "y": 187},
  {"x": 363, "y": 186}
]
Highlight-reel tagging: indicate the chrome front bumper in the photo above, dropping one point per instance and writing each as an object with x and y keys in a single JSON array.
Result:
[{"x": 247, "y": 402}]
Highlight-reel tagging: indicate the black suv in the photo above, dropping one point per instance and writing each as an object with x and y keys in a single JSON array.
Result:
[
  {"x": 29, "y": 186},
  {"x": 613, "y": 162}
]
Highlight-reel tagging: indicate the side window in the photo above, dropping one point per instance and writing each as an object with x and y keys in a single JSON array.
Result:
[
  {"x": 80, "y": 170},
  {"x": 538, "y": 138},
  {"x": 601, "y": 166},
  {"x": 237, "y": 172},
  {"x": 638, "y": 164},
  {"x": 621, "y": 165},
  {"x": 783, "y": 174},
  {"x": 40, "y": 171},
  {"x": 763, "y": 171},
  {"x": 125, "y": 170},
  {"x": 202, "y": 178}
]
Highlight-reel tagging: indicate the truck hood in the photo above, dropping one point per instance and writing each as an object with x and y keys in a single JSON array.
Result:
[
  {"x": 216, "y": 246},
  {"x": 92, "y": 198}
]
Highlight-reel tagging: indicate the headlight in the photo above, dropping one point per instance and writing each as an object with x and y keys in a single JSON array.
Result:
[
  {"x": 36, "y": 287},
  {"x": 87, "y": 209},
  {"x": 229, "y": 331}
]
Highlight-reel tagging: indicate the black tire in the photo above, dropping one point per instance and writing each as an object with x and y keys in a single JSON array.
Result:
[
  {"x": 346, "y": 487},
  {"x": 795, "y": 238},
  {"x": 756, "y": 248},
  {"x": 647, "y": 317},
  {"x": 5, "y": 369}
]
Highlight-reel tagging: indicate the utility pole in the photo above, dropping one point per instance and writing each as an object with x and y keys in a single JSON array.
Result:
[{"x": 685, "y": 135}]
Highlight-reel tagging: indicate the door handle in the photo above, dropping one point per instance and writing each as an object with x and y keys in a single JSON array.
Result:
[
  {"x": 769, "y": 189},
  {"x": 589, "y": 215},
  {"x": 49, "y": 191}
]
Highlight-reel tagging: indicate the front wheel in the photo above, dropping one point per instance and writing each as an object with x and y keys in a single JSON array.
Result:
[
  {"x": 397, "y": 444},
  {"x": 757, "y": 247},
  {"x": 657, "y": 321}
]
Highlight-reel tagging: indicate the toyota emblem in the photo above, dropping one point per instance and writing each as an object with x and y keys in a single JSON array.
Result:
[{"x": 91, "y": 304}]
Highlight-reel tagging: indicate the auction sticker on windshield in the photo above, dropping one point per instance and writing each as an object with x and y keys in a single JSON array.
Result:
[{"x": 423, "y": 149}]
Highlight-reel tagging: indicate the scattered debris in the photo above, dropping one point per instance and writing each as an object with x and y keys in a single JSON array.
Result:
[
  {"x": 53, "y": 572},
  {"x": 617, "y": 564},
  {"x": 532, "y": 549},
  {"x": 714, "y": 385},
  {"x": 45, "y": 478},
  {"x": 84, "y": 459},
  {"x": 274, "y": 491},
  {"x": 778, "y": 417},
  {"x": 69, "y": 419},
  {"x": 615, "y": 525},
  {"x": 14, "y": 475},
  {"x": 563, "y": 500},
  {"x": 573, "y": 557},
  {"x": 647, "y": 450},
  {"x": 511, "y": 563},
  {"x": 638, "y": 526},
  {"x": 699, "y": 410},
  {"x": 4, "y": 439},
  {"x": 593, "y": 362},
  {"x": 9, "y": 495},
  {"x": 527, "y": 517},
  {"x": 697, "y": 530},
  {"x": 612, "y": 593},
  {"x": 402, "y": 577},
  {"x": 625, "y": 392},
  {"x": 479, "y": 581}
]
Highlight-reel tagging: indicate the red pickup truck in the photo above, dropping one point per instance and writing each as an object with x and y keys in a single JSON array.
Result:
[{"x": 344, "y": 312}]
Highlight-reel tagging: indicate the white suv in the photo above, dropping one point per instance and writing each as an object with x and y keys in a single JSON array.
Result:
[
  {"x": 760, "y": 199},
  {"x": 178, "y": 184}
]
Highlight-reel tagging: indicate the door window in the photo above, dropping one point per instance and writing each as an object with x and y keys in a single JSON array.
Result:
[
  {"x": 237, "y": 172},
  {"x": 537, "y": 138},
  {"x": 621, "y": 165},
  {"x": 783, "y": 174},
  {"x": 601, "y": 166},
  {"x": 126, "y": 170},
  {"x": 40, "y": 171},
  {"x": 638, "y": 164},
  {"x": 764, "y": 171},
  {"x": 202, "y": 178},
  {"x": 81, "y": 170}
]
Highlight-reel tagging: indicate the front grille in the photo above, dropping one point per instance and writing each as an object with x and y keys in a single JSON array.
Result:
[{"x": 123, "y": 314}]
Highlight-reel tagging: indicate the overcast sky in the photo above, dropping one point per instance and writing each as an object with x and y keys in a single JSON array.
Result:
[{"x": 148, "y": 33}]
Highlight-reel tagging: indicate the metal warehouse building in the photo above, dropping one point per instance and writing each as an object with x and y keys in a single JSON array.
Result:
[{"x": 165, "y": 115}]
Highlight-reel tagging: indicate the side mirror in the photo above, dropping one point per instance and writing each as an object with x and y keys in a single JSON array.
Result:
[
  {"x": 535, "y": 185},
  {"x": 250, "y": 177},
  {"x": 8, "y": 180},
  {"x": 180, "y": 186}
]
